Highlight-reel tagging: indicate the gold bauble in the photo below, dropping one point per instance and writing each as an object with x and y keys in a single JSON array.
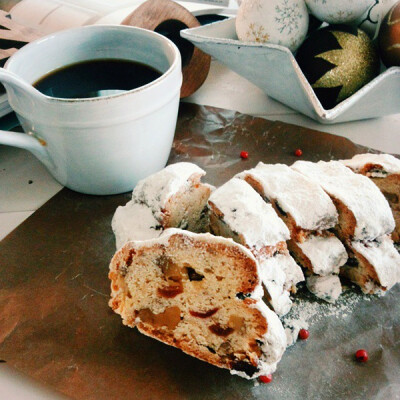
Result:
[{"x": 338, "y": 61}]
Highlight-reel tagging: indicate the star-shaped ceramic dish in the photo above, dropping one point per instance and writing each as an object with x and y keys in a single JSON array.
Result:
[{"x": 274, "y": 69}]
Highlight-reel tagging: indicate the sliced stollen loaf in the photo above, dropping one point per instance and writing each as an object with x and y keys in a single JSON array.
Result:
[
  {"x": 308, "y": 213},
  {"x": 237, "y": 211},
  {"x": 173, "y": 197},
  {"x": 201, "y": 294},
  {"x": 364, "y": 213},
  {"x": 365, "y": 221},
  {"x": 384, "y": 171}
]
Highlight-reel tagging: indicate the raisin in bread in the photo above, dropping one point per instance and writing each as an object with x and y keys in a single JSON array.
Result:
[
  {"x": 173, "y": 197},
  {"x": 384, "y": 171},
  {"x": 201, "y": 294},
  {"x": 238, "y": 212}
]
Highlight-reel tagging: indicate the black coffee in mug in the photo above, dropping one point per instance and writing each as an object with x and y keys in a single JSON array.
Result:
[{"x": 96, "y": 78}]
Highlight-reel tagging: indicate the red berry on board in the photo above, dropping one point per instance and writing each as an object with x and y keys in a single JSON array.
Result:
[
  {"x": 298, "y": 152},
  {"x": 266, "y": 378},
  {"x": 304, "y": 334},
  {"x": 244, "y": 155},
  {"x": 362, "y": 355}
]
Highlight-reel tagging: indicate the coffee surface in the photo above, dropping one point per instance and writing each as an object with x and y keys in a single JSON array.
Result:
[{"x": 96, "y": 78}]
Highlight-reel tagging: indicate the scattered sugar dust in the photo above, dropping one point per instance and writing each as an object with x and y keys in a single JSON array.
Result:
[{"x": 308, "y": 310}]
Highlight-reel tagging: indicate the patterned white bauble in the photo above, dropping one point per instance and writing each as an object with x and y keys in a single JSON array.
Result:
[
  {"x": 371, "y": 20},
  {"x": 283, "y": 22},
  {"x": 338, "y": 11}
]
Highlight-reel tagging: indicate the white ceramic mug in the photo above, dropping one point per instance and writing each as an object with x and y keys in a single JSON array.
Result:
[{"x": 101, "y": 145}]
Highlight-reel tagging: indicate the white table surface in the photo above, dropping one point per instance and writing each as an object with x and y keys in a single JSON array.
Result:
[{"x": 25, "y": 184}]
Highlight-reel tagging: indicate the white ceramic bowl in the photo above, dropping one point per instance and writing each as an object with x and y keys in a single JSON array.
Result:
[
  {"x": 100, "y": 145},
  {"x": 275, "y": 70}
]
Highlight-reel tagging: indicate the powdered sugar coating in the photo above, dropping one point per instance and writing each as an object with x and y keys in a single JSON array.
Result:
[
  {"x": 278, "y": 274},
  {"x": 141, "y": 218},
  {"x": 273, "y": 277},
  {"x": 156, "y": 189},
  {"x": 326, "y": 254},
  {"x": 327, "y": 288},
  {"x": 310, "y": 207},
  {"x": 363, "y": 198},
  {"x": 134, "y": 222},
  {"x": 292, "y": 328},
  {"x": 382, "y": 254},
  {"x": 306, "y": 311},
  {"x": 274, "y": 343},
  {"x": 247, "y": 214},
  {"x": 389, "y": 164},
  {"x": 293, "y": 272}
]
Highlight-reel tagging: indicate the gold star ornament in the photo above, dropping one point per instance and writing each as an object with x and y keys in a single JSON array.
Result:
[{"x": 337, "y": 61}]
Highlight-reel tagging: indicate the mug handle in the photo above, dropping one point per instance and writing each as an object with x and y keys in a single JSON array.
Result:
[
  {"x": 22, "y": 140},
  {"x": 27, "y": 142}
]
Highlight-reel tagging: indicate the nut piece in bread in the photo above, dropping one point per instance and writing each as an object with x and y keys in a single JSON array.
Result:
[{"x": 201, "y": 294}]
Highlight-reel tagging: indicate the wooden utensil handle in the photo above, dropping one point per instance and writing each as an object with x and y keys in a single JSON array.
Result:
[{"x": 168, "y": 18}]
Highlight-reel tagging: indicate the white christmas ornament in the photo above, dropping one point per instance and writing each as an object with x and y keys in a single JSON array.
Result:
[
  {"x": 370, "y": 21},
  {"x": 338, "y": 11},
  {"x": 283, "y": 22}
]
